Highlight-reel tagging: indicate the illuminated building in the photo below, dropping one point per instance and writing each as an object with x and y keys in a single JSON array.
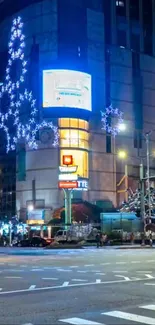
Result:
[{"x": 114, "y": 43}]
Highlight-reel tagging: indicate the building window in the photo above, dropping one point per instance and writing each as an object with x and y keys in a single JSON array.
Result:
[
  {"x": 120, "y": 3},
  {"x": 148, "y": 26},
  {"x": 137, "y": 140},
  {"x": 120, "y": 8},
  {"x": 121, "y": 38},
  {"x": 71, "y": 138},
  {"x": 135, "y": 42},
  {"x": 80, "y": 159},
  {"x": 134, "y": 9},
  {"x": 108, "y": 143},
  {"x": 73, "y": 123}
]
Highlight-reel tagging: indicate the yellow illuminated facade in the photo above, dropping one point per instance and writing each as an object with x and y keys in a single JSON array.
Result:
[
  {"x": 74, "y": 140},
  {"x": 35, "y": 222}
]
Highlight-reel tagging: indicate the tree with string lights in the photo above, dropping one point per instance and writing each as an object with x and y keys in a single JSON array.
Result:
[
  {"x": 134, "y": 202},
  {"x": 14, "y": 97}
]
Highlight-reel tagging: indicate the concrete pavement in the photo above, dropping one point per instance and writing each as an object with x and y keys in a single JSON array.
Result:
[{"x": 77, "y": 287}]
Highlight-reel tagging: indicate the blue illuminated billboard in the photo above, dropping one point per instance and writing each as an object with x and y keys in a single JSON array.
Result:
[{"x": 67, "y": 89}]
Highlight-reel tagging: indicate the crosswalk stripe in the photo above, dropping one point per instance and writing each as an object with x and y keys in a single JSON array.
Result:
[
  {"x": 149, "y": 307},
  {"x": 131, "y": 317},
  {"x": 79, "y": 321}
]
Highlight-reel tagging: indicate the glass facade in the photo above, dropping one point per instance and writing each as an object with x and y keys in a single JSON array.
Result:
[
  {"x": 80, "y": 159},
  {"x": 74, "y": 140},
  {"x": 148, "y": 26}
]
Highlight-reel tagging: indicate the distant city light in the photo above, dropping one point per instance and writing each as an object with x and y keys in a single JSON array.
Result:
[
  {"x": 30, "y": 208},
  {"x": 122, "y": 154},
  {"x": 121, "y": 127}
]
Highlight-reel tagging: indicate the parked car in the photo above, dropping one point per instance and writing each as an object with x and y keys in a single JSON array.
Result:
[{"x": 35, "y": 241}]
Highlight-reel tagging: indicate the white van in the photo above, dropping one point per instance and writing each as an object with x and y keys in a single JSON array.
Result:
[{"x": 61, "y": 235}]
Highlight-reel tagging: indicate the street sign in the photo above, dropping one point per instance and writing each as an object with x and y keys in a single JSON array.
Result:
[
  {"x": 67, "y": 169},
  {"x": 67, "y": 160},
  {"x": 68, "y": 177},
  {"x": 82, "y": 185},
  {"x": 67, "y": 185}
]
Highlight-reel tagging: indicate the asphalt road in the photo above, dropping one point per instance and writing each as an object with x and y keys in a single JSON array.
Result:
[{"x": 90, "y": 286}]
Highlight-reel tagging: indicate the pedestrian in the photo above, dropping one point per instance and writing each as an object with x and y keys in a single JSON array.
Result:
[
  {"x": 151, "y": 241},
  {"x": 101, "y": 239},
  {"x": 132, "y": 238},
  {"x": 104, "y": 238},
  {"x": 98, "y": 240}
]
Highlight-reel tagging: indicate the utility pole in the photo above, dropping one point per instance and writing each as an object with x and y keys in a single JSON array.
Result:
[
  {"x": 68, "y": 206},
  {"x": 148, "y": 172},
  {"x": 142, "y": 194},
  {"x": 126, "y": 183}
]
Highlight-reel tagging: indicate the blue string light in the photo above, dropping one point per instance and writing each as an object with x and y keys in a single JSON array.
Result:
[
  {"x": 108, "y": 113},
  {"x": 17, "y": 97}
]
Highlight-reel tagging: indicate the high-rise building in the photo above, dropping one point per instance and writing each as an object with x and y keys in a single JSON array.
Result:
[{"x": 113, "y": 43}]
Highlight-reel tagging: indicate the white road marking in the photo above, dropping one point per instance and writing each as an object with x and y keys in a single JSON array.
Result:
[
  {"x": 144, "y": 272},
  {"x": 49, "y": 278},
  {"x": 79, "y": 321},
  {"x": 23, "y": 265},
  {"x": 98, "y": 281},
  {"x": 126, "y": 278},
  {"x": 28, "y": 324},
  {"x": 87, "y": 265},
  {"x": 63, "y": 270},
  {"x": 149, "y": 276},
  {"x": 32, "y": 287},
  {"x": 70, "y": 285},
  {"x": 65, "y": 284},
  {"x": 82, "y": 271},
  {"x": 120, "y": 271},
  {"x": 13, "y": 270},
  {"x": 149, "y": 307},
  {"x": 37, "y": 270},
  {"x": 136, "y": 262},
  {"x": 121, "y": 262},
  {"x": 74, "y": 267},
  {"x": 13, "y": 277},
  {"x": 105, "y": 263},
  {"x": 149, "y": 284},
  {"x": 79, "y": 280},
  {"x": 98, "y": 273},
  {"x": 131, "y": 317}
]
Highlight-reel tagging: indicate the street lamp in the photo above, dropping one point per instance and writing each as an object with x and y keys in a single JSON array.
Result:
[
  {"x": 122, "y": 154},
  {"x": 122, "y": 127},
  {"x": 30, "y": 208}
]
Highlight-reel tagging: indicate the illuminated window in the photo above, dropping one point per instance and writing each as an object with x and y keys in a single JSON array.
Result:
[
  {"x": 64, "y": 122},
  {"x": 86, "y": 125},
  {"x": 74, "y": 138},
  {"x": 73, "y": 123},
  {"x": 80, "y": 159}
]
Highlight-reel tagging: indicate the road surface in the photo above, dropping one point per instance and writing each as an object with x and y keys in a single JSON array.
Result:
[{"x": 89, "y": 286}]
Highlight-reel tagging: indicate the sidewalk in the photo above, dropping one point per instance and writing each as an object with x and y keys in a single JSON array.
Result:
[{"x": 134, "y": 246}]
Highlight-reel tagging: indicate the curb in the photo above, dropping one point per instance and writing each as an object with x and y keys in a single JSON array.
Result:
[{"x": 139, "y": 247}]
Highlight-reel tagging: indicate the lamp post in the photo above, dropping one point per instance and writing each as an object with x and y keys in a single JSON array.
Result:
[
  {"x": 122, "y": 154},
  {"x": 121, "y": 128},
  {"x": 147, "y": 137}
]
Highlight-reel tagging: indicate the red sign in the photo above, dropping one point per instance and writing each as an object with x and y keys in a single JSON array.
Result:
[
  {"x": 64, "y": 184},
  {"x": 67, "y": 160}
]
